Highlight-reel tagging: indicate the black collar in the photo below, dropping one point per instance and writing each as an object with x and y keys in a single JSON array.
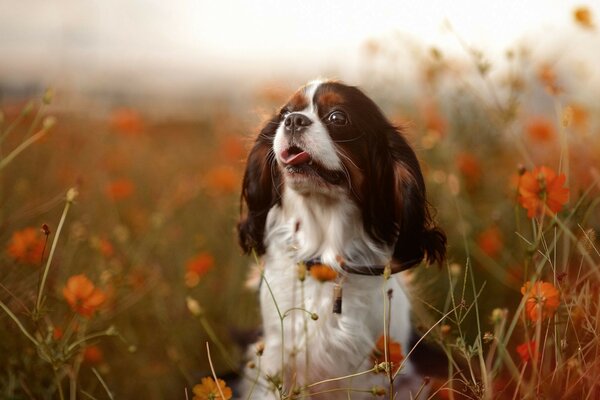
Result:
[{"x": 367, "y": 270}]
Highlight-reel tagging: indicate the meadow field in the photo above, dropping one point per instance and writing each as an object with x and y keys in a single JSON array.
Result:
[{"x": 118, "y": 253}]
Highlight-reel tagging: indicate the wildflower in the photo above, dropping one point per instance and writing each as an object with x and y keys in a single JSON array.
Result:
[
  {"x": 104, "y": 246},
  {"x": 93, "y": 355},
  {"x": 469, "y": 166},
  {"x": 548, "y": 78},
  {"x": 232, "y": 148},
  {"x": 126, "y": 121},
  {"x": 83, "y": 297},
  {"x": 197, "y": 267},
  {"x": 541, "y": 300},
  {"x": 378, "y": 391},
  {"x": 433, "y": 119},
  {"x": 490, "y": 241},
  {"x": 527, "y": 350},
  {"x": 577, "y": 116},
  {"x": 26, "y": 246},
  {"x": 57, "y": 333},
  {"x": 208, "y": 390},
  {"x": 222, "y": 180},
  {"x": 119, "y": 189},
  {"x": 498, "y": 315},
  {"x": 323, "y": 273},
  {"x": 541, "y": 191},
  {"x": 583, "y": 17},
  {"x": 193, "y": 306},
  {"x": 445, "y": 330},
  {"x": 394, "y": 352},
  {"x": 540, "y": 129}
]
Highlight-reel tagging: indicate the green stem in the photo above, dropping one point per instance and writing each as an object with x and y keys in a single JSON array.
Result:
[
  {"x": 51, "y": 255},
  {"x": 74, "y": 345},
  {"x": 340, "y": 378},
  {"x": 21, "y": 327},
  {"x": 20, "y": 148}
]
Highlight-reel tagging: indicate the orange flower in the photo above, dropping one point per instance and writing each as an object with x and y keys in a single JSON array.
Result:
[
  {"x": 57, "y": 333},
  {"x": 547, "y": 76},
  {"x": 322, "y": 272},
  {"x": 119, "y": 189},
  {"x": 394, "y": 352},
  {"x": 490, "y": 241},
  {"x": 26, "y": 246},
  {"x": 222, "y": 180},
  {"x": 541, "y": 191},
  {"x": 583, "y": 17},
  {"x": 126, "y": 121},
  {"x": 232, "y": 149},
  {"x": 527, "y": 350},
  {"x": 208, "y": 390},
  {"x": 541, "y": 300},
  {"x": 433, "y": 119},
  {"x": 469, "y": 167},
  {"x": 83, "y": 297},
  {"x": 93, "y": 355},
  {"x": 104, "y": 246},
  {"x": 579, "y": 117},
  {"x": 540, "y": 129},
  {"x": 197, "y": 267}
]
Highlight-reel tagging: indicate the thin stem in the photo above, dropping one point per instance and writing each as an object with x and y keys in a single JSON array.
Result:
[
  {"x": 254, "y": 381},
  {"x": 340, "y": 378},
  {"x": 70, "y": 196},
  {"x": 109, "y": 332},
  {"x": 20, "y": 148},
  {"x": 104, "y": 385},
  {"x": 423, "y": 337},
  {"x": 21, "y": 327},
  {"x": 212, "y": 369},
  {"x": 58, "y": 385}
]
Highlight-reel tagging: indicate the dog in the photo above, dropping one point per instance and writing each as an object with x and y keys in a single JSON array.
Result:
[{"x": 333, "y": 202}]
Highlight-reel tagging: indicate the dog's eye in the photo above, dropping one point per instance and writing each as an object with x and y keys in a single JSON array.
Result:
[{"x": 337, "y": 118}]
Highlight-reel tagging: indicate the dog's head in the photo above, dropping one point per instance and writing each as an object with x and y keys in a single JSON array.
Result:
[{"x": 331, "y": 140}]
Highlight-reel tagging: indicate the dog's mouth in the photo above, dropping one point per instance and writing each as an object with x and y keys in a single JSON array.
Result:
[
  {"x": 299, "y": 163},
  {"x": 294, "y": 156}
]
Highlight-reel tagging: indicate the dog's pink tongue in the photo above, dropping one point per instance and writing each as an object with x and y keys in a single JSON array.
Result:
[{"x": 295, "y": 159}]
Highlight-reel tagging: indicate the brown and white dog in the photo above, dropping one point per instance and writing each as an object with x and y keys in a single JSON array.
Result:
[{"x": 331, "y": 181}]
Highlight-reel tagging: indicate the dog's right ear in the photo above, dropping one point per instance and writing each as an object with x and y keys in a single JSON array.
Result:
[{"x": 260, "y": 190}]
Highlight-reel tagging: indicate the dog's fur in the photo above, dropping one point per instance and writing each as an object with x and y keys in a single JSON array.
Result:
[{"x": 330, "y": 177}]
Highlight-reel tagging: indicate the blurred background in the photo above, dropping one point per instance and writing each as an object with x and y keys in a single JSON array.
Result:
[{"x": 148, "y": 108}]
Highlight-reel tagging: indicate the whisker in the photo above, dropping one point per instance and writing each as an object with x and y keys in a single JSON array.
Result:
[
  {"x": 341, "y": 153},
  {"x": 349, "y": 140}
]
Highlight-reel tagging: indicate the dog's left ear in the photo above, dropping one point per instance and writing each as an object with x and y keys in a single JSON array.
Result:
[
  {"x": 418, "y": 236},
  {"x": 260, "y": 191}
]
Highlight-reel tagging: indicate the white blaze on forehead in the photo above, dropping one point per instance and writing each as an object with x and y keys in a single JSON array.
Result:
[
  {"x": 310, "y": 90},
  {"x": 316, "y": 139}
]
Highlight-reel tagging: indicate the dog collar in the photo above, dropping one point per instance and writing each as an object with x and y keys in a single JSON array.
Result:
[{"x": 365, "y": 270}]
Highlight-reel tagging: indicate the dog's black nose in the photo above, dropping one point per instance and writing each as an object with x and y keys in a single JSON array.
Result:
[{"x": 296, "y": 122}]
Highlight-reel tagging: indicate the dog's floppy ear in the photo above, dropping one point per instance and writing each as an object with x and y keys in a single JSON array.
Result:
[
  {"x": 260, "y": 190},
  {"x": 418, "y": 237}
]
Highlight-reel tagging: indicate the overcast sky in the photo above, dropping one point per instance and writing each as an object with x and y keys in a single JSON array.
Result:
[{"x": 206, "y": 40}]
